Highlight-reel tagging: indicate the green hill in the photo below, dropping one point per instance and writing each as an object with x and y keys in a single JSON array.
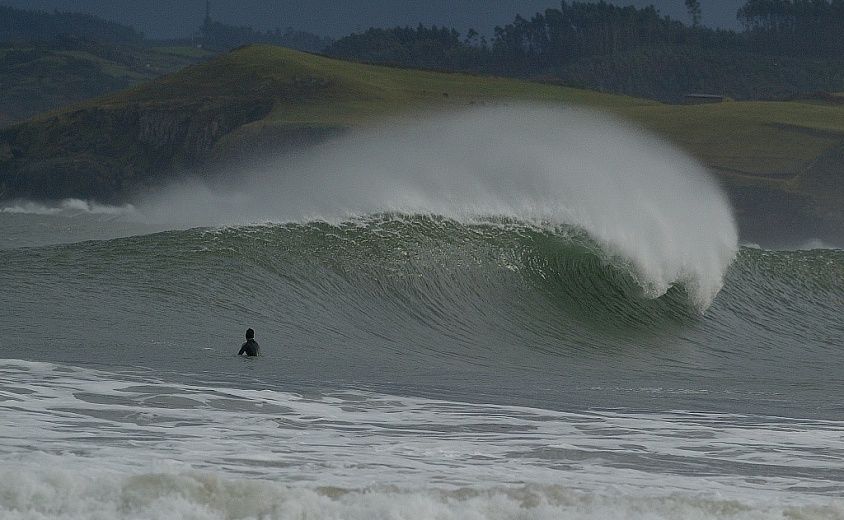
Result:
[{"x": 777, "y": 159}]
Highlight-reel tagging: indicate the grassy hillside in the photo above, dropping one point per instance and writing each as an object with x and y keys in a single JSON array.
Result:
[
  {"x": 778, "y": 159},
  {"x": 769, "y": 139},
  {"x": 310, "y": 89}
]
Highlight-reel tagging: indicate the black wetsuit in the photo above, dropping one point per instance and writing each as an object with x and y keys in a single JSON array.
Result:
[{"x": 250, "y": 348}]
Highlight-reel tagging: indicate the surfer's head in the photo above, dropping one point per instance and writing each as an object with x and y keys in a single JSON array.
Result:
[{"x": 250, "y": 333}]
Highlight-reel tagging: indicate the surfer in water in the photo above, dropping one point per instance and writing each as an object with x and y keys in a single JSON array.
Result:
[{"x": 251, "y": 347}]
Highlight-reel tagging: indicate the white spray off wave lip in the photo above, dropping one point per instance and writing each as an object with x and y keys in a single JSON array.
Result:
[{"x": 642, "y": 199}]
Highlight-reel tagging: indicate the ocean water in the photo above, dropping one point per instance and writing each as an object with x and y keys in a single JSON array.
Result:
[
  {"x": 413, "y": 367},
  {"x": 514, "y": 360}
]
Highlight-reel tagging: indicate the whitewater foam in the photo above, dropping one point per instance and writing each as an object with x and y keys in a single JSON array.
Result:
[
  {"x": 130, "y": 423},
  {"x": 63, "y": 494},
  {"x": 82, "y": 444},
  {"x": 644, "y": 201}
]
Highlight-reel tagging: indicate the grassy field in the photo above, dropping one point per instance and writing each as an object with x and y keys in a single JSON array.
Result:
[
  {"x": 312, "y": 88},
  {"x": 772, "y": 140}
]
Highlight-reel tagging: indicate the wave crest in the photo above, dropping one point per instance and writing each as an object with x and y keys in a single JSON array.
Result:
[{"x": 638, "y": 197}]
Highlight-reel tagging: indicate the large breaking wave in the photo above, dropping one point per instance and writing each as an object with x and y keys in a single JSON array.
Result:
[
  {"x": 636, "y": 197},
  {"x": 402, "y": 283}
]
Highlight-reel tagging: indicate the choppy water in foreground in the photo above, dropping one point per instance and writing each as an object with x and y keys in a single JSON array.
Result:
[{"x": 413, "y": 367}]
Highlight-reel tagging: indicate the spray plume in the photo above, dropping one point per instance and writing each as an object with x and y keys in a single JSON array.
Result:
[{"x": 637, "y": 196}]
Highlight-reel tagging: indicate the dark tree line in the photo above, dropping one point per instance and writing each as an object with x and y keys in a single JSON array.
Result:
[
  {"x": 431, "y": 48},
  {"x": 550, "y": 39},
  {"x": 795, "y": 27},
  {"x": 560, "y": 36},
  {"x": 220, "y": 36},
  {"x": 591, "y": 43}
]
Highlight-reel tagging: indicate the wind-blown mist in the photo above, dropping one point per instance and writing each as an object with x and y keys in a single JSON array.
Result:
[{"x": 635, "y": 195}]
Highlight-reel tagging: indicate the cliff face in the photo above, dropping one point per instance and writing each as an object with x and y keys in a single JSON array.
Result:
[
  {"x": 115, "y": 147},
  {"x": 109, "y": 152}
]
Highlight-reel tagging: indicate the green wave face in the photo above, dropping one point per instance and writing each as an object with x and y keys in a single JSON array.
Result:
[{"x": 429, "y": 302}]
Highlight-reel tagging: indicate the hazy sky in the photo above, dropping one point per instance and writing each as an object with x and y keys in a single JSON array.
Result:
[{"x": 173, "y": 18}]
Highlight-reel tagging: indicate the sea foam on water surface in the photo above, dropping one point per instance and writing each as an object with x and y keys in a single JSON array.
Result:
[
  {"x": 84, "y": 444},
  {"x": 66, "y": 495}
]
